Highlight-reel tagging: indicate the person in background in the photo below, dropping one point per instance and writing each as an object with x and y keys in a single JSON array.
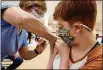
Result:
[
  {"x": 97, "y": 35},
  {"x": 76, "y": 46},
  {"x": 17, "y": 61},
  {"x": 36, "y": 38},
  {"x": 29, "y": 36},
  {"x": 102, "y": 40},
  {"x": 14, "y": 22}
]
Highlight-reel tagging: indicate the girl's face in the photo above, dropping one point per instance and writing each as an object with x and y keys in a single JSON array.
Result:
[{"x": 74, "y": 34}]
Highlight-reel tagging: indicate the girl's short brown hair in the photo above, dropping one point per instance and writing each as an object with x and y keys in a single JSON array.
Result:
[
  {"x": 28, "y": 4},
  {"x": 77, "y": 10}
]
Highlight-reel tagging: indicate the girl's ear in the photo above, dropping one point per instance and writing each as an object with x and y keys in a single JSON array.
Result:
[{"x": 78, "y": 27}]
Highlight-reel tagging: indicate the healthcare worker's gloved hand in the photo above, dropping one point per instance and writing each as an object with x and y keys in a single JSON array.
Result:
[{"x": 41, "y": 45}]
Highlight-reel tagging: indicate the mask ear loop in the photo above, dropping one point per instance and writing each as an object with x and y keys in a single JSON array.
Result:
[
  {"x": 42, "y": 14},
  {"x": 35, "y": 14},
  {"x": 83, "y": 26},
  {"x": 86, "y": 27},
  {"x": 78, "y": 31}
]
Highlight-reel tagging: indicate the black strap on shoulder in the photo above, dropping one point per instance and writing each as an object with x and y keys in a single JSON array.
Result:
[{"x": 96, "y": 44}]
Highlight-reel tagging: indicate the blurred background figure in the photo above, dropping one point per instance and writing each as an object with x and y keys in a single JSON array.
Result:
[
  {"x": 17, "y": 61},
  {"x": 102, "y": 40},
  {"x": 36, "y": 38},
  {"x": 29, "y": 36},
  {"x": 97, "y": 35}
]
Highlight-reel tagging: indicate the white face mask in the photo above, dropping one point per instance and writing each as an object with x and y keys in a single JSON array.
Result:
[{"x": 35, "y": 14}]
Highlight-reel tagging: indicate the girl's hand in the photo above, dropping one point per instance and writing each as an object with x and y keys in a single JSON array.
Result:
[{"x": 62, "y": 47}]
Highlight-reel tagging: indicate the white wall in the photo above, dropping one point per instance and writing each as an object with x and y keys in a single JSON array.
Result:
[{"x": 50, "y": 10}]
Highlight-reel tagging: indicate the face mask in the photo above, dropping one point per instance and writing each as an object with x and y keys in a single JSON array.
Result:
[
  {"x": 65, "y": 34},
  {"x": 35, "y": 14}
]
